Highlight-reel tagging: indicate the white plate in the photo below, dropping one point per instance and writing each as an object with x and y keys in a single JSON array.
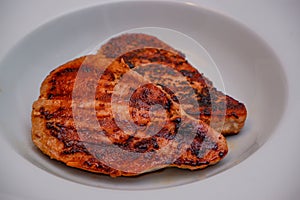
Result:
[{"x": 250, "y": 70}]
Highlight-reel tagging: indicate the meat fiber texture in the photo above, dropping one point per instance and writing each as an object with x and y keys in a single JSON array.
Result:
[{"x": 135, "y": 106}]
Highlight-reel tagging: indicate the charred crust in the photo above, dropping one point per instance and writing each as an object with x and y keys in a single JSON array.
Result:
[
  {"x": 50, "y": 96},
  {"x": 166, "y": 134},
  {"x": 188, "y": 73},
  {"x": 130, "y": 65},
  {"x": 60, "y": 112},
  {"x": 149, "y": 95},
  {"x": 69, "y": 70},
  {"x": 234, "y": 115},
  {"x": 108, "y": 75},
  {"x": 46, "y": 114},
  {"x": 177, "y": 122},
  {"x": 139, "y": 145},
  {"x": 204, "y": 98},
  {"x": 168, "y": 105},
  {"x": 170, "y": 92},
  {"x": 191, "y": 162},
  {"x": 142, "y": 146},
  {"x": 63, "y": 134},
  {"x": 146, "y": 145},
  {"x": 73, "y": 146}
]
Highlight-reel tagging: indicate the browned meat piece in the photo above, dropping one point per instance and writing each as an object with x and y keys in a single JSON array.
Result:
[
  {"x": 220, "y": 111},
  {"x": 87, "y": 134},
  {"x": 134, "y": 107}
]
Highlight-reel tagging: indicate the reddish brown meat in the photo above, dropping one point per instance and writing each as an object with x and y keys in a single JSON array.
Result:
[{"x": 124, "y": 115}]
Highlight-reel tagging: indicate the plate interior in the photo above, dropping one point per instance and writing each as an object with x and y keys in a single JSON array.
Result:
[{"x": 247, "y": 69}]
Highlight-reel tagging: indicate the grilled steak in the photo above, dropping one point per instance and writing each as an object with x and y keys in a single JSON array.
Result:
[
  {"x": 134, "y": 107},
  {"x": 222, "y": 112}
]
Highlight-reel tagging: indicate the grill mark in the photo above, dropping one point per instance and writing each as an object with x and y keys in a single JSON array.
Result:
[
  {"x": 73, "y": 142},
  {"x": 61, "y": 83},
  {"x": 95, "y": 163},
  {"x": 205, "y": 96},
  {"x": 180, "y": 161}
]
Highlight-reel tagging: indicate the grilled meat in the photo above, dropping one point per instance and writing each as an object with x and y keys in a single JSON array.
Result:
[
  {"x": 87, "y": 134},
  {"x": 134, "y": 107},
  {"x": 222, "y": 112}
]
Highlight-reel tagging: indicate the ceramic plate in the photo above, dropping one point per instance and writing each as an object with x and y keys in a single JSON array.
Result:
[{"x": 241, "y": 64}]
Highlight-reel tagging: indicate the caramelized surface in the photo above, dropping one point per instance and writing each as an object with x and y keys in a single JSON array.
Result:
[{"x": 129, "y": 114}]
